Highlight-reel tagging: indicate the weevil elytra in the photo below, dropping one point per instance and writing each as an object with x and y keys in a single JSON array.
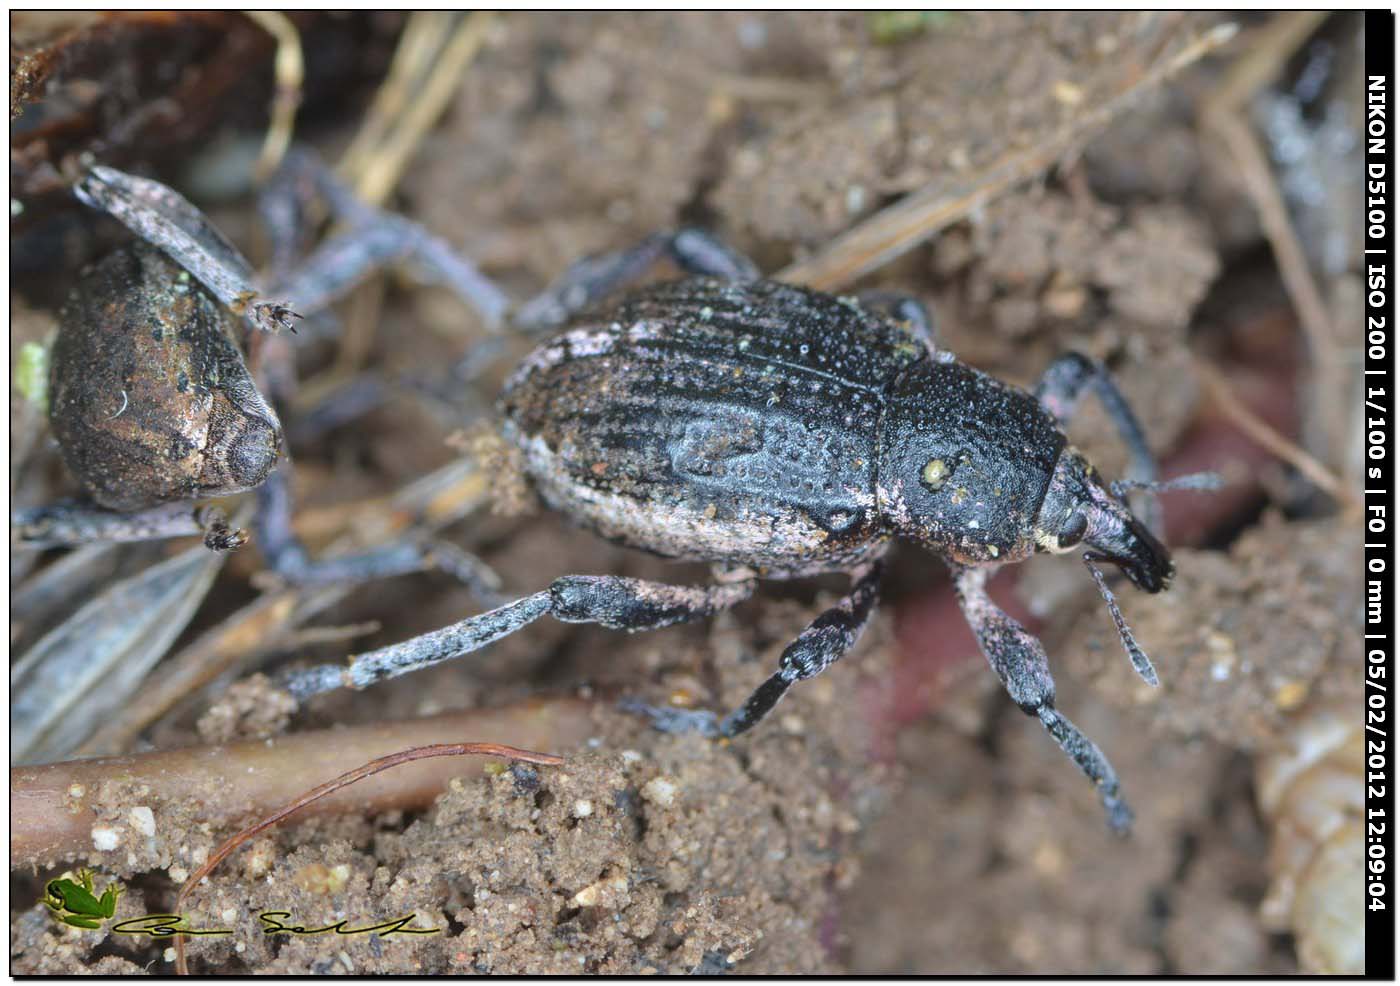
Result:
[{"x": 778, "y": 432}]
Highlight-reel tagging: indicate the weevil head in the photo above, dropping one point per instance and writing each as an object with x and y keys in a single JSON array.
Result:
[
  {"x": 1080, "y": 513},
  {"x": 244, "y": 440}
]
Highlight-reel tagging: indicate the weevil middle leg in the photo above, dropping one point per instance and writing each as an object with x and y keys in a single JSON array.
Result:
[
  {"x": 908, "y": 310},
  {"x": 816, "y": 648},
  {"x": 288, "y": 557},
  {"x": 613, "y": 601}
]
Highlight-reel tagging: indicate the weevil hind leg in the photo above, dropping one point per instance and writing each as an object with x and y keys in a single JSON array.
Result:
[
  {"x": 821, "y": 645},
  {"x": 907, "y": 309},
  {"x": 594, "y": 278},
  {"x": 612, "y": 601},
  {"x": 1060, "y": 389},
  {"x": 1020, "y": 662},
  {"x": 372, "y": 239},
  {"x": 289, "y": 559}
]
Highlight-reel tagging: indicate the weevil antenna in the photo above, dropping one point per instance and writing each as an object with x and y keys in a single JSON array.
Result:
[
  {"x": 1191, "y": 481},
  {"x": 1141, "y": 664}
]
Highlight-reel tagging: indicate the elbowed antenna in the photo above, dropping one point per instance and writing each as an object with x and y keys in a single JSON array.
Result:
[{"x": 1190, "y": 481}]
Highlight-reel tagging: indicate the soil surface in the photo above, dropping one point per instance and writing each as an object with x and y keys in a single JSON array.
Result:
[{"x": 898, "y": 813}]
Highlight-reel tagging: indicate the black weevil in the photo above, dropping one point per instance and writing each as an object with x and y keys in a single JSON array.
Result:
[{"x": 779, "y": 432}]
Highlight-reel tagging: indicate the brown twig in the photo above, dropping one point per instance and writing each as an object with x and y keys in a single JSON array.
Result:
[
  {"x": 920, "y": 215},
  {"x": 53, "y": 806},
  {"x": 232, "y": 844},
  {"x": 1260, "y": 431}
]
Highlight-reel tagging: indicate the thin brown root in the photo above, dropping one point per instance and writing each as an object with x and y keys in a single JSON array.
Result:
[
  {"x": 1262, "y": 433},
  {"x": 232, "y": 844},
  {"x": 918, "y": 216},
  {"x": 289, "y": 71}
]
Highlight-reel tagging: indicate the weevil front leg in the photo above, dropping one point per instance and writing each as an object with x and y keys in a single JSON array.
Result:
[
  {"x": 1059, "y": 390},
  {"x": 73, "y": 522},
  {"x": 161, "y": 216},
  {"x": 594, "y": 278},
  {"x": 818, "y": 647},
  {"x": 1020, "y": 662},
  {"x": 609, "y": 600}
]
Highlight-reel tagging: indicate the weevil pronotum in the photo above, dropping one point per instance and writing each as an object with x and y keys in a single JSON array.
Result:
[{"x": 779, "y": 432}]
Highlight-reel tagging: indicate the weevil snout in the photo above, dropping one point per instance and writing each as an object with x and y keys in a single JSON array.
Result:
[
  {"x": 1079, "y": 511},
  {"x": 1132, "y": 547}
]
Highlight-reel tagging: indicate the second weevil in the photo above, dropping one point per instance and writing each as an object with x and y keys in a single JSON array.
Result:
[{"x": 778, "y": 432}]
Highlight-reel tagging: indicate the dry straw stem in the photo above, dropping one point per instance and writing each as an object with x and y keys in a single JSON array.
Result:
[
  {"x": 919, "y": 215},
  {"x": 1224, "y": 115},
  {"x": 52, "y": 806},
  {"x": 417, "y": 754},
  {"x": 379, "y": 170},
  {"x": 1260, "y": 431},
  {"x": 289, "y": 72}
]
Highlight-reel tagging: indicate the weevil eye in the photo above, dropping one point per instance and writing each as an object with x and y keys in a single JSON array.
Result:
[{"x": 1073, "y": 530}]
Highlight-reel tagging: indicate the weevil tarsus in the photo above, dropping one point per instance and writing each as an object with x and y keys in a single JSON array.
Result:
[{"x": 73, "y": 522}]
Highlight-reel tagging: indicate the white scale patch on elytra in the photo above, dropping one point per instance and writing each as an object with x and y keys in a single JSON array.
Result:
[
  {"x": 580, "y": 343},
  {"x": 791, "y": 546}
]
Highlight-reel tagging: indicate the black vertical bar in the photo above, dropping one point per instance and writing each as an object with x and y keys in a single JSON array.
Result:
[{"x": 1379, "y": 395}]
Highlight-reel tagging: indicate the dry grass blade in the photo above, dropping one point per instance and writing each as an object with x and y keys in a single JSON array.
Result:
[
  {"x": 1224, "y": 116},
  {"x": 383, "y": 168},
  {"x": 270, "y": 623},
  {"x": 918, "y": 216},
  {"x": 1260, "y": 431},
  {"x": 418, "y": 45},
  {"x": 289, "y": 71},
  {"x": 92, "y": 664},
  {"x": 344, "y": 780}
]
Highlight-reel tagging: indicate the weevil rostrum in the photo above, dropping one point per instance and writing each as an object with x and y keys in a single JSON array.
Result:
[{"x": 778, "y": 432}]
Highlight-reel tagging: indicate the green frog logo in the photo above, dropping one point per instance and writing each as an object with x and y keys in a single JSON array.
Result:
[{"x": 77, "y": 904}]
